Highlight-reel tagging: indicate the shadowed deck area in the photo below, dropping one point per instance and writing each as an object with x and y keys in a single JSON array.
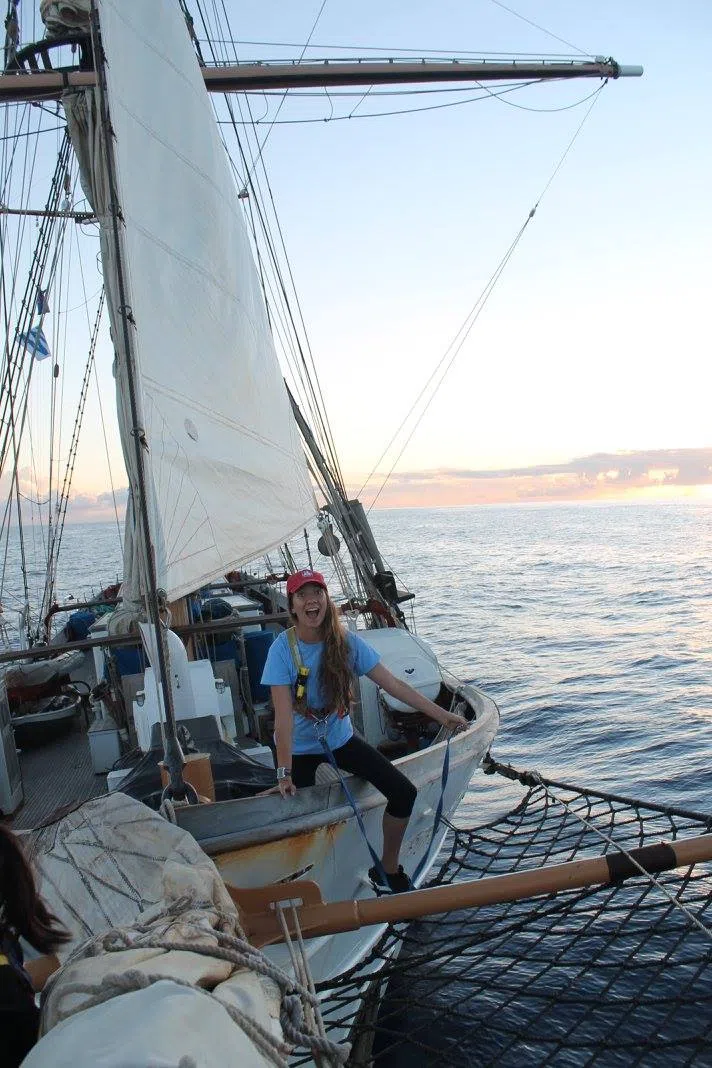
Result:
[{"x": 54, "y": 776}]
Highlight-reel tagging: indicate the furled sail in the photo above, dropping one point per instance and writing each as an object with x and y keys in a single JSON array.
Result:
[{"x": 226, "y": 471}]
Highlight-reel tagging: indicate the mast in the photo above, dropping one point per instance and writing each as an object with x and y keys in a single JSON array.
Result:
[
  {"x": 172, "y": 749},
  {"x": 50, "y": 84},
  {"x": 353, "y": 523}
]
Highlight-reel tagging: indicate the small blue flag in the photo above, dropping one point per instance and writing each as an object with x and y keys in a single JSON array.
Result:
[
  {"x": 35, "y": 342},
  {"x": 42, "y": 302}
]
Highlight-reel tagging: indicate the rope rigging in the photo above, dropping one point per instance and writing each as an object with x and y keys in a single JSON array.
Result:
[
  {"x": 427, "y": 53},
  {"x": 63, "y": 497},
  {"x": 19, "y": 363},
  {"x": 14, "y": 372},
  {"x": 485, "y": 94},
  {"x": 453, "y": 350}
]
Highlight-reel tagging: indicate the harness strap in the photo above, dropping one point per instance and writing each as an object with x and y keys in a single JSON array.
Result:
[{"x": 300, "y": 691}]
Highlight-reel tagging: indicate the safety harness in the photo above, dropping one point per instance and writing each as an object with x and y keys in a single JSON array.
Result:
[
  {"x": 321, "y": 728},
  {"x": 300, "y": 687}
]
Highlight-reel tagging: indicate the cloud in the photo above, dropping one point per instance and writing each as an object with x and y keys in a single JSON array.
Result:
[
  {"x": 603, "y": 475},
  {"x": 599, "y": 476},
  {"x": 97, "y": 507}
]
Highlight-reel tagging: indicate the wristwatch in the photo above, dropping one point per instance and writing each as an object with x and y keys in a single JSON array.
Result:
[{"x": 284, "y": 773}]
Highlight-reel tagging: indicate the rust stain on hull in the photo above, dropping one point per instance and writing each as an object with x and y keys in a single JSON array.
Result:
[{"x": 285, "y": 858}]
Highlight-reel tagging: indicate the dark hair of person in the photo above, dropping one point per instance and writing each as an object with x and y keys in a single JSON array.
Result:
[
  {"x": 335, "y": 667},
  {"x": 22, "y": 910}
]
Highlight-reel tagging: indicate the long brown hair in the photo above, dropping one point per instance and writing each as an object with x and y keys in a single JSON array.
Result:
[
  {"x": 22, "y": 910},
  {"x": 335, "y": 667}
]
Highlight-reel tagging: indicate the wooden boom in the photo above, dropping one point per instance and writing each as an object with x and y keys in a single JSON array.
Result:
[
  {"x": 47, "y": 85},
  {"x": 257, "y": 913}
]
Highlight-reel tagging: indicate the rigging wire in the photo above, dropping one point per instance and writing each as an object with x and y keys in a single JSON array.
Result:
[
  {"x": 554, "y": 36},
  {"x": 309, "y": 378},
  {"x": 8, "y": 415},
  {"x": 63, "y": 498},
  {"x": 62, "y": 501},
  {"x": 15, "y": 356},
  {"x": 31, "y": 133},
  {"x": 297, "y": 93},
  {"x": 103, "y": 425},
  {"x": 286, "y": 91},
  {"x": 484, "y": 94},
  {"x": 453, "y": 349},
  {"x": 421, "y": 53}
]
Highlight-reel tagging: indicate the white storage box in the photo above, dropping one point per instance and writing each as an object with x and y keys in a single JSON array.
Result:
[
  {"x": 104, "y": 744},
  {"x": 408, "y": 658}
]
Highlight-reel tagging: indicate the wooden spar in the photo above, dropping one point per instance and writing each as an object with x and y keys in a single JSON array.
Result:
[
  {"x": 316, "y": 918},
  {"x": 46, "y": 652},
  {"x": 48, "y": 85},
  {"x": 325, "y": 73},
  {"x": 78, "y": 216}
]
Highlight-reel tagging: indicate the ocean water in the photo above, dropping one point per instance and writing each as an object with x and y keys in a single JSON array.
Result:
[{"x": 590, "y": 625}]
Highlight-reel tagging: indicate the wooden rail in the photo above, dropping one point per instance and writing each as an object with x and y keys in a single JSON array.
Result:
[{"x": 217, "y": 626}]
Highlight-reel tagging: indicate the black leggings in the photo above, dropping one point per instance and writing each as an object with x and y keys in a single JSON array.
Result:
[{"x": 361, "y": 759}]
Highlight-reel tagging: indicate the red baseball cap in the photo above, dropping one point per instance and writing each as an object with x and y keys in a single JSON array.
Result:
[{"x": 302, "y": 578}]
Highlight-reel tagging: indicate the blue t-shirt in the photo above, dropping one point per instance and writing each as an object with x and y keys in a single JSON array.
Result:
[{"x": 280, "y": 670}]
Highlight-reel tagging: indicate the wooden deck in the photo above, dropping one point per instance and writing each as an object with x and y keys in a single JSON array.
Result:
[{"x": 56, "y": 776}]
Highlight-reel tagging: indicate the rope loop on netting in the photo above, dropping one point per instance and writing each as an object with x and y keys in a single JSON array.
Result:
[{"x": 534, "y": 778}]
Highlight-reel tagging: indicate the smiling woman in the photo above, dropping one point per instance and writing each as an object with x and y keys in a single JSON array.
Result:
[{"x": 310, "y": 669}]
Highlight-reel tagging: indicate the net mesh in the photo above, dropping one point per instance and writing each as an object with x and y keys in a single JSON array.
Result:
[{"x": 617, "y": 974}]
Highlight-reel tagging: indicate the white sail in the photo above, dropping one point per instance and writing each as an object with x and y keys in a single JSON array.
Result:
[{"x": 227, "y": 473}]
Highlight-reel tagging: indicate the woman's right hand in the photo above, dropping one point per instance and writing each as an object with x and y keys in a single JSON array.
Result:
[{"x": 286, "y": 787}]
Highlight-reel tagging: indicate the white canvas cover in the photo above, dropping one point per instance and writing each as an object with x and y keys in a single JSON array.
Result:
[
  {"x": 140, "y": 897},
  {"x": 228, "y": 477}
]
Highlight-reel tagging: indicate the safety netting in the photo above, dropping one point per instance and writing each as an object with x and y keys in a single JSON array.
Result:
[{"x": 614, "y": 974}]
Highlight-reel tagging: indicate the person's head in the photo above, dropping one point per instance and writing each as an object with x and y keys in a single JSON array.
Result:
[
  {"x": 22, "y": 911},
  {"x": 309, "y": 601},
  {"x": 317, "y": 619}
]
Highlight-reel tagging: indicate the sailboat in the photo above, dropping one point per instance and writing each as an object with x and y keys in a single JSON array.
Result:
[{"x": 223, "y": 467}]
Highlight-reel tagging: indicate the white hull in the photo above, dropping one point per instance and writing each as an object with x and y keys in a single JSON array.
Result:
[{"x": 315, "y": 835}]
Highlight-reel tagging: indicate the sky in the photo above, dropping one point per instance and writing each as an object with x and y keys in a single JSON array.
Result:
[{"x": 587, "y": 373}]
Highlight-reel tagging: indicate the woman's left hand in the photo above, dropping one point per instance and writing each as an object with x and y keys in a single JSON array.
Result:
[{"x": 455, "y": 722}]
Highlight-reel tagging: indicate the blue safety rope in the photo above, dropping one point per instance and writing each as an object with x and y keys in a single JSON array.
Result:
[
  {"x": 438, "y": 811},
  {"x": 377, "y": 863}
]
